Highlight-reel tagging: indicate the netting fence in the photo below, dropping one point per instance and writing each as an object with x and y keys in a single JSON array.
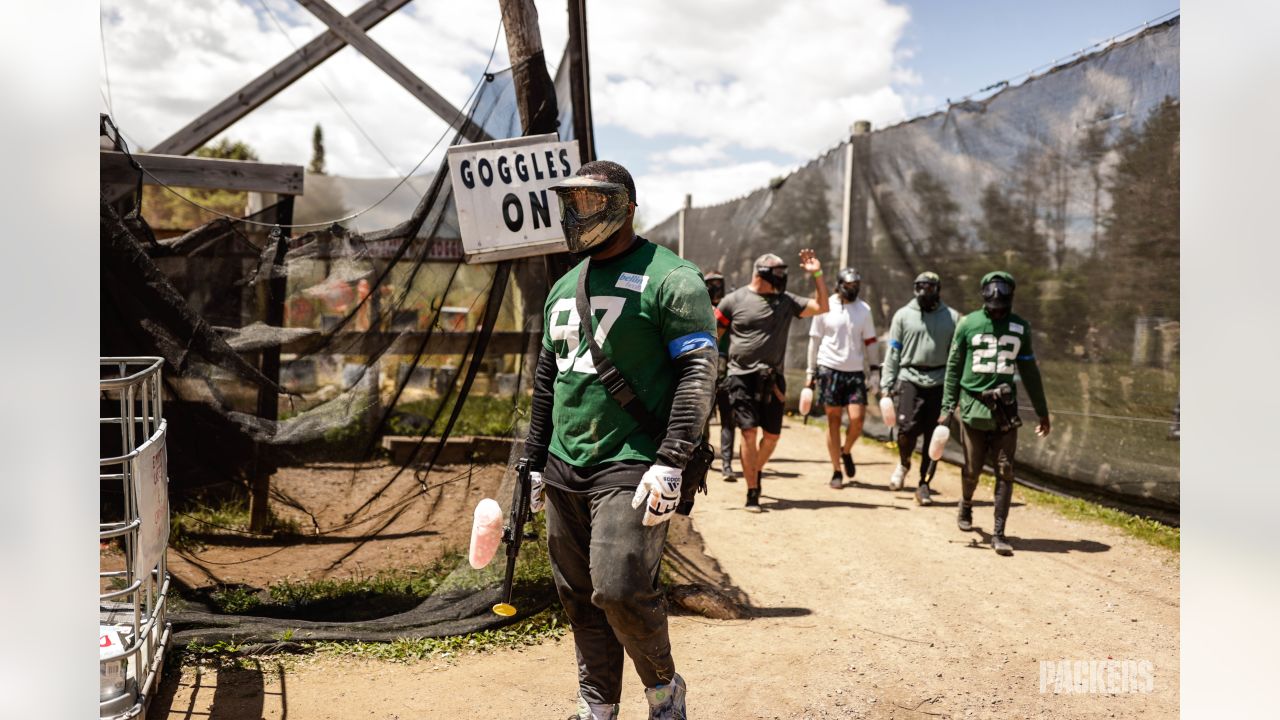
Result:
[
  {"x": 400, "y": 399},
  {"x": 1069, "y": 181}
]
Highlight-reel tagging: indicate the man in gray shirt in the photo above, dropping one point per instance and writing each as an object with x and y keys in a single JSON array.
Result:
[{"x": 757, "y": 318}]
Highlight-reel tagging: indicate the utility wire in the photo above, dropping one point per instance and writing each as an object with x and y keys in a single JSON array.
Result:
[
  {"x": 341, "y": 105},
  {"x": 484, "y": 77}
]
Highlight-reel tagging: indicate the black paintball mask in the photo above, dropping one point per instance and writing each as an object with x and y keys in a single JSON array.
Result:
[
  {"x": 997, "y": 293},
  {"x": 928, "y": 291},
  {"x": 715, "y": 287},
  {"x": 775, "y": 275},
  {"x": 848, "y": 284},
  {"x": 591, "y": 212}
]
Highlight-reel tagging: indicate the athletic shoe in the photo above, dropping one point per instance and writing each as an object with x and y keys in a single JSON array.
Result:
[
  {"x": 753, "y": 500},
  {"x": 1001, "y": 545},
  {"x": 849, "y": 468},
  {"x": 837, "y": 480},
  {"x": 964, "y": 520},
  {"x": 666, "y": 702},
  {"x": 729, "y": 477},
  {"x": 594, "y": 711},
  {"x": 923, "y": 496},
  {"x": 898, "y": 477}
]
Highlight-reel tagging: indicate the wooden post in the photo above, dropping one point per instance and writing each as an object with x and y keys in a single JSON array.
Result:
[
  {"x": 684, "y": 214},
  {"x": 535, "y": 91},
  {"x": 580, "y": 81},
  {"x": 856, "y": 193},
  {"x": 268, "y": 403}
]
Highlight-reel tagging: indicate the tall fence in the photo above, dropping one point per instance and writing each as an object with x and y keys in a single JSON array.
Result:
[{"x": 1070, "y": 182}]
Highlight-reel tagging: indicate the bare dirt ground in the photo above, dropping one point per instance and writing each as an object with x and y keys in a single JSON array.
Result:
[
  {"x": 863, "y": 606},
  {"x": 370, "y": 518}
]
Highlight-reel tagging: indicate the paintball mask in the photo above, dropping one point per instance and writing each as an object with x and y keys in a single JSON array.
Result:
[
  {"x": 849, "y": 283},
  {"x": 775, "y": 275},
  {"x": 927, "y": 291},
  {"x": 591, "y": 211},
  {"x": 715, "y": 286},
  {"x": 997, "y": 292}
]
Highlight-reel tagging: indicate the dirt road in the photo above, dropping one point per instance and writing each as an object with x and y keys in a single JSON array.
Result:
[{"x": 865, "y": 606}]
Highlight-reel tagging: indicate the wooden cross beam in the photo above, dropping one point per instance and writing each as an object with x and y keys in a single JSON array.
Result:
[
  {"x": 197, "y": 172},
  {"x": 356, "y": 37},
  {"x": 265, "y": 86}
]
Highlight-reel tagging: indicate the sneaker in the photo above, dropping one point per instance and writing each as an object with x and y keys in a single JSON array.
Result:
[
  {"x": 594, "y": 711},
  {"x": 923, "y": 496},
  {"x": 964, "y": 520},
  {"x": 753, "y": 500},
  {"x": 666, "y": 702},
  {"x": 837, "y": 480},
  {"x": 849, "y": 468},
  {"x": 730, "y": 477},
  {"x": 898, "y": 477},
  {"x": 1001, "y": 545}
]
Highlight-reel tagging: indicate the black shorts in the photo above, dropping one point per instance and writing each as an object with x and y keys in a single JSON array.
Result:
[
  {"x": 917, "y": 407},
  {"x": 837, "y": 388},
  {"x": 750, "y": 409}
]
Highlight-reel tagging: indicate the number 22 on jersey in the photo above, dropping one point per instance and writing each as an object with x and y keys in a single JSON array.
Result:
[
  {"x": 565, "y": 328},
  {"x": 991, "y": 355}
]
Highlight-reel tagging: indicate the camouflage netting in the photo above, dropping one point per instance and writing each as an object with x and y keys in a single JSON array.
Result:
[
  {"x": 1070, "y": 182},
  {"x": 385, "y": 331}
]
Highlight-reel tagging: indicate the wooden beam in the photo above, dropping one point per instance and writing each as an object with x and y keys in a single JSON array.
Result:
[
  {"x": 535, "y": 91},
  {"x": 406, "y": 343},
  {"x": 205, "y": 173},
  {"x": 265, "y": 86},
  {"x": 376, "y": 54},
  {"x": 580, "y": 81}
]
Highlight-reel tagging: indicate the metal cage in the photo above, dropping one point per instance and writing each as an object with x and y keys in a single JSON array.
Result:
[{"x": 134, "y": 523}]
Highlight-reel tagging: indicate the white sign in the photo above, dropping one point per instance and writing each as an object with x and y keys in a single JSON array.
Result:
[
  {"x": 505, "y": 209},
  {"x": 151, "y": 484}
]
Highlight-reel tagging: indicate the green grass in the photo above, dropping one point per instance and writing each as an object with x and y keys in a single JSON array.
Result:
[
  {"x": 225, "y": 517},
  {"x": 385, "y": 592},
  {"x": 548, "y": 624},
  {"x": 481, "y": 415},
  {"x": 1149, "y": 531}
]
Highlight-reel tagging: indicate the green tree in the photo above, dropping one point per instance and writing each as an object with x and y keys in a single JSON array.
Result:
[
  {"x": 317, "y": 152},
  {"x": 169, "y": 214}
]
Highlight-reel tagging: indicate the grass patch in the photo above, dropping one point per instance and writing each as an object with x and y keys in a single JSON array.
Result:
[
  {"x": 226, "y": 517},
  {"x": 1149, "y": 531},
  {"x": 548, "y": 624},
  {"x": 386, "y": 592},
  {"x": 481, "y": 415}
]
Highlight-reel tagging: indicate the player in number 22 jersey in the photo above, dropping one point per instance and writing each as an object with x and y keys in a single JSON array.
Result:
[{"x": 991, "y": 346}]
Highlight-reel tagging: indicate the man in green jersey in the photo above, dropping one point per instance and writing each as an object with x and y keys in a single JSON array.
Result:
[
  {"x": 919, "y": 340},
  {"x": 594, "y": 462},
  {"x": 990, "y": 347}
]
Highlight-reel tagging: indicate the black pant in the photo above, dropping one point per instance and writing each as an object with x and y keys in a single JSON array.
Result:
[
  {"x": 1000, "y": 446},
  {"x": 918, "y": 409},
  {"x": 605, "y": 563},
  {"x": 725, "y": 410}
]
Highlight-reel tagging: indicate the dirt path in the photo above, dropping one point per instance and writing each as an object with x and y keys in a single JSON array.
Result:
[{"x": 866, "y": 606}]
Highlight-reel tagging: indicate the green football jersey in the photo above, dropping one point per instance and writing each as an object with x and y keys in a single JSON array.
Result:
[
  {"x": 984, "y": 353},
  {"x": 650, "y": 307}
]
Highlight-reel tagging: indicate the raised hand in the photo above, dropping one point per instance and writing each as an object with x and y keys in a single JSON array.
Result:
[{"x": 809, "y": 261}]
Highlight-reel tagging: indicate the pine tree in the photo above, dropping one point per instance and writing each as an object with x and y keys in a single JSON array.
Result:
[{"x": 316, "y": 165}]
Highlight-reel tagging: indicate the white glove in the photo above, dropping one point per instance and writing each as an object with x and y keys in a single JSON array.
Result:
[
  {"x": 661, "y": 485},
  {"x": 536, "y": 501}
]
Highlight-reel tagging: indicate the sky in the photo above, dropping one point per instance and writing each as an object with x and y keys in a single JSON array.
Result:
[{"x": 707, "y": 97}]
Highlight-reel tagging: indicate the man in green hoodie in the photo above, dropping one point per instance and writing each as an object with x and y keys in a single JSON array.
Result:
[
  {"x": 919, "y": 338},
  {"x": 991, "y": 348}
]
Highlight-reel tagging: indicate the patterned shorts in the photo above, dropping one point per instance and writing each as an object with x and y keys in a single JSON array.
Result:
[{"x": 837, "y": 388}]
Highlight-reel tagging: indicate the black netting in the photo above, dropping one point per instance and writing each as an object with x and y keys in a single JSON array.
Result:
[
  {"x": 384, "y": 332},
  {"x": 1070, "y": 182}
]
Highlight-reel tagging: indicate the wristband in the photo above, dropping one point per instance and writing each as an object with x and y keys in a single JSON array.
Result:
[{"x": 817, "y": 274}]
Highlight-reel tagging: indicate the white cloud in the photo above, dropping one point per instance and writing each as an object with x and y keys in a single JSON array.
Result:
[
  {"x": 662, "y": 193},
  {"x": 690, "y": 154},
  {"x": 789, "y": 76}
]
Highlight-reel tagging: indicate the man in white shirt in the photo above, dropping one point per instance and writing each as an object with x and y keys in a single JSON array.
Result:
[{"x": 842, "y": 352}]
